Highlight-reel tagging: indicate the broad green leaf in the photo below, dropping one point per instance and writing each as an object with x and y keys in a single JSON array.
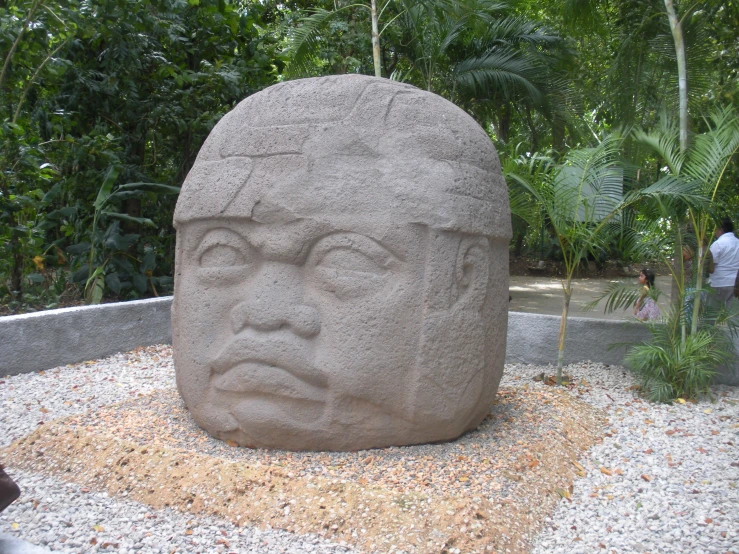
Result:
[
  {"x": 107, "y": 186},
  {"x": 52, "y": 193},
  {"x": 158, "y": 187},
  {"x": 81, "y": 274},
  {"x": 80, "y": 248},
  {"x": 126, "y": 217},
  {"x": 62, "y": 213},
  {"x": 148, "y": 262},
  {"x": 95, "y": 294},
  {"x": 113, "y": 282},
  {"x": 95, "y": 286},
  {"x": 140, "y": 283}
]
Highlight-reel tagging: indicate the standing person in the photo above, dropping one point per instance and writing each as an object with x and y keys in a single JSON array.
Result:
[
  {"x": 646, "y": 308},
  {"x": 724, "y": 263}
]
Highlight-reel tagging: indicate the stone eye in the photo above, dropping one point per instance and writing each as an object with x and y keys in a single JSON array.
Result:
[
  {"x": 222, "y": 255},
  {"x": 350, "y": 259}
]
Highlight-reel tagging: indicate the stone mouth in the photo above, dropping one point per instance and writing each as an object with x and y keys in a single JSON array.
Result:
[
  {"x": 260, "y": 377},
  {"x": 247, "y": 358}
]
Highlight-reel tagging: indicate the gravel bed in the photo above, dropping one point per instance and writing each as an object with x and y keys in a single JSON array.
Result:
[
  {"x": 665, "y": 478},
  {"x": 31, "y": 399},
  {"x": 68, "y": 518}
]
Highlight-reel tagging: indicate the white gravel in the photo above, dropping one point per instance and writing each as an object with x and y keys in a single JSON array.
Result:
[
  {"x": 29, "y": 399},
  {"x": 68, "y": 518},
  {"x": 664, "y": 479},
  {"x": 674, "y": 473}
]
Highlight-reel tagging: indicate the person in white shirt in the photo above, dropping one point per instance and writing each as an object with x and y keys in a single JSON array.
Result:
[{"x": 724, "y": 263}]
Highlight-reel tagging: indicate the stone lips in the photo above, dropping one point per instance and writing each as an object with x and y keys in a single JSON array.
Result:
[{"x": 342, "y": 269}]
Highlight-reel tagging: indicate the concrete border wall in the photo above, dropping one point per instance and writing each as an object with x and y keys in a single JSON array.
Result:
[
  {"x": 43, "y": 340},
  {"x": 533, "y": 339}
]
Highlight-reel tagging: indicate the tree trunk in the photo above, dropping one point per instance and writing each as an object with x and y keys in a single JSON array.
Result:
[
  {"x": 132, "y": 206},
  {"x": 682, "y": 72},
  {"x": 16, "y": 272},
  {"x": 519, "y": 244},
  {"x": 504, "y": 122},
  {"x": 682, "y": 85},
  {"x": 376, "y": 40},
  {"x": 558, "y": 135},
  {"x": 678, "y": 275},
  {"x": 532, "y": 129},
  {"x": 567, "y": 286}
]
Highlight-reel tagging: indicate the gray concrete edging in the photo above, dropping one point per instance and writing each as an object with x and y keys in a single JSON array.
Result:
[
  {"x": 533, "y": 339},
  {"x": 42, "y": 340}
]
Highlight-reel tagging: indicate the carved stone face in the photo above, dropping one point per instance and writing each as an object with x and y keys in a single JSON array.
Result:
[{"x": 334, "y": 288}]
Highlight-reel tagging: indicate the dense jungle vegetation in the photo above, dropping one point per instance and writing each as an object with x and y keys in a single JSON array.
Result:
[{"x": 105, "y": 103}]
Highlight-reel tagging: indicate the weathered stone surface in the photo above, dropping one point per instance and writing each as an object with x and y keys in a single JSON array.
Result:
[{"x": 342, "y": 269}]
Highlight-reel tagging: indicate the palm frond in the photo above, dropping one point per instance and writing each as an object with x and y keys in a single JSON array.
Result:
[
  {"x": 304, "y": 40},
  {"x": 666, "y": 145},
  {"x": 516, "y": 30},
  {"x": 712, "y": 151},
  {"x": 619, "y": 296},
  {"x": 581, "y": 15},
  {"x": 504, "y": 69},
  {"x": 671, "y": 365},
  {"x": 589, "y": 184},
  {"x": 672, "y": 191}
]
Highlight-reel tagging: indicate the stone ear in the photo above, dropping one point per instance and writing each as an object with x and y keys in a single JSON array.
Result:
[{"x": 472, "y": 272}]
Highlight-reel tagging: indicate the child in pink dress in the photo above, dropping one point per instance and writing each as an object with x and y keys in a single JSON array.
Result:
[{"x": 646, "y": 308}]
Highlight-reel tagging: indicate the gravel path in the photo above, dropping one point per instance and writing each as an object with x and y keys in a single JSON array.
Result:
[
  {"x": 69, "y": 518},
  {"x": 664, "y": 478}
]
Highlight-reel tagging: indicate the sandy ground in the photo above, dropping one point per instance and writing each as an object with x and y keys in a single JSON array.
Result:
[
  {"x": 543, "y": 295},
  {"x": 488, "y": 491}
]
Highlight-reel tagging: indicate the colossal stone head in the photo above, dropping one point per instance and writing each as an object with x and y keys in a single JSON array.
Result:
[{"x": 341, "y": 269}]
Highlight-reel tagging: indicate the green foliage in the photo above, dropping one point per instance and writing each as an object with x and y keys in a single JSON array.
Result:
[
  {"x": 110, "y": 261},
  {"x": 480, "y": 54},
  {"x": 672, "y": 366},
  {"x": 621, "y": 296},
  {"x": 126, "y": 84},
  {"x": 579, "y": 197},
  {"x": 684, "y": 352},
  {"x": 693, "y": 187},
  {"x": 331, "y": 38},
  {"x": 138, "y": 84}
]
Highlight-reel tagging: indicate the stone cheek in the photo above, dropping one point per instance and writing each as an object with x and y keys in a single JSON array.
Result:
[{"x": 335, "y": 290}]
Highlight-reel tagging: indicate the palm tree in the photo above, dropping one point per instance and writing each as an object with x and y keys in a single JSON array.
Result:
[
  {"x": 304, "y": 41},
  {"x": 686, "y": 351},
  {"x": 701, "y": 167},
  {"x": 480, "y": 56},
  {"x": 582, "y": 198},
  {"x": 578, "y": 196}
]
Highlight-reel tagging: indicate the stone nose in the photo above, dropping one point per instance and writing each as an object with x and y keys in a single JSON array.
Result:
[{"x": 274, "y": 301}]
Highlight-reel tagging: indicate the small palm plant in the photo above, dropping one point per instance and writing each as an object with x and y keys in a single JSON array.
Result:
[
  {"x": 582, "y": 199},
  {"x": 685, "y": 352},
  {"x": 578, "y": 197},
  {"x": 670, "y": 366}
]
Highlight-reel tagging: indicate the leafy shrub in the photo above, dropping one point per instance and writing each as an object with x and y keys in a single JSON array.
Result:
[{"x": 676, "y": 365}]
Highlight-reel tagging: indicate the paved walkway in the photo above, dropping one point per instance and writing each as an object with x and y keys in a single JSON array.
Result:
[{"x": 543, "y": 295}]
